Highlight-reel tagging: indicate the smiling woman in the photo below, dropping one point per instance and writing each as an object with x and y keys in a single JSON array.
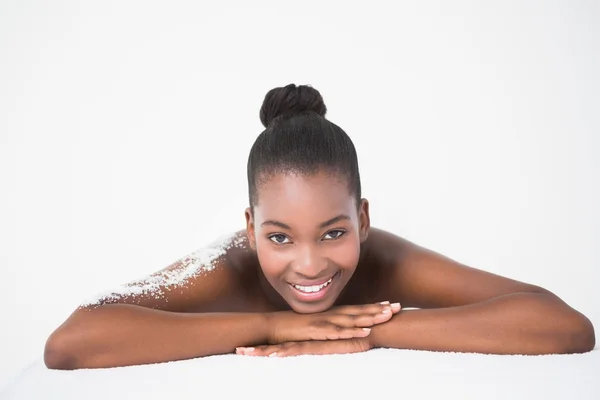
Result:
[
  {"x": 306, "y": 255},
  {"x": 309, "y": 275}
]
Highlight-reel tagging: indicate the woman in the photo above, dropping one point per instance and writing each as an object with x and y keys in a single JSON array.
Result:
[{"x": 309, "y": 275}]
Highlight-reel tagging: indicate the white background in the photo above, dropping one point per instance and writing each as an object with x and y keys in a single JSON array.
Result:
[{"x": 125, "y": 128}]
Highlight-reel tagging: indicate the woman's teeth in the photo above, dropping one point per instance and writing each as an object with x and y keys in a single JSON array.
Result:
[{"x": 312, "y": 289}]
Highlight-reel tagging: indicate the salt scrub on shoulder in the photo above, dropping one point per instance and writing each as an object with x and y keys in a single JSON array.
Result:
[{"x": 200, "y": 261}]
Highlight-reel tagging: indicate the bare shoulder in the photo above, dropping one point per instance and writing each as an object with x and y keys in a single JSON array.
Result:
[
  {"x": 379, "y": 257},
  {"x": 209, "y": 278},
  {"x": 421, "y": 277},
  {"x": 394, "y": 251},
  {"x": 384, "y": 250},
  {"x": 381, "y": 242}
]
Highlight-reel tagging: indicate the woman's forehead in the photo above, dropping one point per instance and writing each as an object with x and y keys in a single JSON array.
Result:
[
  {"x": 302, "y": 186},
  {"x": 294, "y": 196}
]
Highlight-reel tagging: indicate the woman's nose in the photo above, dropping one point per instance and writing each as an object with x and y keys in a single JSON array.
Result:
[{"x": 309, "y": 263}]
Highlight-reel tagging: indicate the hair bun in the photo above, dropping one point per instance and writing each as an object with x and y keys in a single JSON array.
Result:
[{"x": 290, "y": 100}]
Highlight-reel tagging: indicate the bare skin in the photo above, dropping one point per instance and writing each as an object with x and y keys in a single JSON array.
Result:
[{"x": 305, "y": 230}]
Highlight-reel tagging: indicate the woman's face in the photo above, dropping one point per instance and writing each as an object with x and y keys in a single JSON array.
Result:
[{"x": 307, "y": 232}]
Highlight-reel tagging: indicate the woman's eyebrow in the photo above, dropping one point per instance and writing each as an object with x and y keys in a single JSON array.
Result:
[
  {"x": 334, "y": 220},
  {"x": 276, "y": 223},
  {"x": 321, "y": 225}
]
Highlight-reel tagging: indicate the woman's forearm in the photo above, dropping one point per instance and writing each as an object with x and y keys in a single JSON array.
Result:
[
  {"x": 121, "y": 334},
  {"x": 520, "y": 323}
]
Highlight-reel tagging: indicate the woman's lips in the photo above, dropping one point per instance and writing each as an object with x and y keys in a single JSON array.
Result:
[
  {"x": 314, "y": 292},
  {"x": 313, "y": 283}
]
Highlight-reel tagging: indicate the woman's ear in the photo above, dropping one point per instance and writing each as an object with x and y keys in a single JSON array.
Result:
[
  {"x": 250, "y": 228},
  {"x": 364, "y": 220}
]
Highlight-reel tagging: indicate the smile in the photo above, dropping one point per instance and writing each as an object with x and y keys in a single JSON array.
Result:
[
  {"x": 313, "y": 289},
  {"x": 310, "y": 293}
]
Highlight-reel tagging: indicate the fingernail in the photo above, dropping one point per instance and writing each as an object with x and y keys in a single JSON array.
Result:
[
  {"x": 366, "y": 329},
  {"x": 386, "y": 311},
  {"x": 385, "y": 302},
  {"x": 273, "y": 354},
  {"x": 244, "y": 349},
  {"x": 395, "y": 305}
]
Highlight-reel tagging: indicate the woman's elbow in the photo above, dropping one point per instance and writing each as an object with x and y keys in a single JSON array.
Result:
[
  {"x": 569, "y": 330},
  {"x": 583, "y": 337},
  {"x": 57, "y": 354}
]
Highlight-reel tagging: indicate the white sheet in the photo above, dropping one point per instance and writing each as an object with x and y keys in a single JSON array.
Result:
[{"x": 403, "y": 374}]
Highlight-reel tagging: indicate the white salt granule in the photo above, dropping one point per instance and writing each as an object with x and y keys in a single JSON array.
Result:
[{"x": 198, "y": 262}]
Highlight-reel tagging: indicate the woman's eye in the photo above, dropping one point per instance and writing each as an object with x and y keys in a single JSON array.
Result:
[
  {"x": 279, "y": 238},
  {"x": 335, "y": 234}
]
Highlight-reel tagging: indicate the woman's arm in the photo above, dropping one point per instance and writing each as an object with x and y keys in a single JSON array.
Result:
[
  {"x": 155, "y": 319},
  {"x": 466, "y": 309},
  {"x": 122, "y": 334},
  {"x": 518, "y": 323}
]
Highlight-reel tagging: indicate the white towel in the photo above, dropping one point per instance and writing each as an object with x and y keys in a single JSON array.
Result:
[{"x": 399, "y": 374}]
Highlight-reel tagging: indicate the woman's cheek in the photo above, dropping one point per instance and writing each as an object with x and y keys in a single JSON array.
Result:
[
  {"x": 272, "y": 262},
  {"x": 346, "y": 256}
]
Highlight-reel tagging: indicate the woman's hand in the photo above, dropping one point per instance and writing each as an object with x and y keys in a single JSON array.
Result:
[
  {"x": 343, "y": 346},
  {"x": 344, "y": 322}
]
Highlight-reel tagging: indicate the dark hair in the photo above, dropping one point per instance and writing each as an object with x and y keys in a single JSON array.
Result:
[{"x": 298, "y": 139}]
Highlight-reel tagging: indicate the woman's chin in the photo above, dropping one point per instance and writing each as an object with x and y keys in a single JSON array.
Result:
[
  {"x": 308, "y": 308},
  {"x": 313, "y": 307}
]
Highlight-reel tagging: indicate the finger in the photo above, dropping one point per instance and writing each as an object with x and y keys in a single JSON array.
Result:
[
  {"x": 296, "y": 349},
  {"x": 338, "y": 332},
  {"x": 337, "y": 327},
  {"x": 373, "y": 319},
  {"x": 362, "y": 309},
  {"x": 387, "y": 313},
  {"x": 244, "y": 351},
  {"x": 359, "y": 309},
  {"x": 288, "y": 348},
  {"x": 305, "y": 348},
  {"x": 324, "y": 347},
  {"x": 361, "y": 320},
  {"x": 267, "y": 351},
  {"x": 259, "y": 351},
  {"x": 372, "y": 309}
]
